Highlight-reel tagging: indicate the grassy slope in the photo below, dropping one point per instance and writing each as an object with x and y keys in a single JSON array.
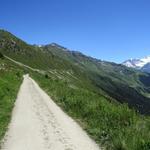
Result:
[
  {"x": 28, "y": 54},
  {"x": 109, "y": 123},
  {"x": 10, "y": 80},
  {"x": 122, "y": 83},
  {"x": 104, "y": 76},
  {"x": 112, "y": 125}
]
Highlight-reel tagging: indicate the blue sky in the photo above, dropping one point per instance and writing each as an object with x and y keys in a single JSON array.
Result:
[{"x": 112, "y": 30}]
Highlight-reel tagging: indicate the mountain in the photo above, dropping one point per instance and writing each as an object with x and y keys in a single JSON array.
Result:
[
  {"x": 106, "y": 98},
  {"x": 141, "y": 64},
  {"x": 104, "y": 76},
  {"x": 146, "y": 68}
]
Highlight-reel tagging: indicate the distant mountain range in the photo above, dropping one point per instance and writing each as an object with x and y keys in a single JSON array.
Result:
[{"x": 140, "y": 64}]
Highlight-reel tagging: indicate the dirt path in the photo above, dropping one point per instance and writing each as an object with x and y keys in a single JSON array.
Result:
[
  {"x": 25, "y": 66},
  {"x": 39, "y": 124}
]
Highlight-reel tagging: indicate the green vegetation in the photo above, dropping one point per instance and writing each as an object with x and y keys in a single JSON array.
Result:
[
  {"x": 96, "y": 93},
  {"x": 112, "y": 125},
  {"x": 119, "y": 82},
  {"x": 10, "y": 80},
  {"x": 29, "y": 55}
]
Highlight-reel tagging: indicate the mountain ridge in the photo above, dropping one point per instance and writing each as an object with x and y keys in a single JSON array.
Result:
[
  {"x": 110, "y": 101},
  {"x": 104, "y": 76},
  {"x": 140, "y": 64}
]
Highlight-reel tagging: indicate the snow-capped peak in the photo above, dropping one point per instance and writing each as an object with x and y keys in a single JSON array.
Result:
[{"x": 137, "y": 63}]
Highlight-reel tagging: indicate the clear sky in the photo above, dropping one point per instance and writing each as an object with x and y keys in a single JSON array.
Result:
[{"x": 112, "y": 30}]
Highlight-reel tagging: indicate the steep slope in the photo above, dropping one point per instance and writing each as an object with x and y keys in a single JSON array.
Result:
[
  {"x": 146, "y": 68},
  {"x": 28, "y": 54},
  {"x": 110, "y": 77},
  {"x": 89, "y": 90},
  {"x": 103, "y": 77}
]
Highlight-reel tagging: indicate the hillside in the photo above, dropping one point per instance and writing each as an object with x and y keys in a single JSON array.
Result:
[
  {"x": 110, "y": 77},
  {"x": 103, "y": 76},
  {"x": 90, "y": 90},
  {"x": 10, "y": 81}
]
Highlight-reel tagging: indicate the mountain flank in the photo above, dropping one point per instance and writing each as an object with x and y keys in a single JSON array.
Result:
[
  {"x": 140, "y": 64},
  {"x": 110, "y": 101}
]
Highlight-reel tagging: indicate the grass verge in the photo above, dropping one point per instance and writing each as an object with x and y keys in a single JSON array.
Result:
[
  {"x": 112, "y": 125},
  {"x": 10, "y": 80}
]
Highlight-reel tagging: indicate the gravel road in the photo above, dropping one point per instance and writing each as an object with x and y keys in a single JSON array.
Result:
[{"x": 39, "y": 124}]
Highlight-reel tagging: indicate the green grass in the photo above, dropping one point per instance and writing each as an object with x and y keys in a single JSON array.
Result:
[
  {"x": 90, "y": 93},
  {"x": 10, "y": 80},
  {"x": 110, "y": 124},
  {"x": 123, "y": 84}
]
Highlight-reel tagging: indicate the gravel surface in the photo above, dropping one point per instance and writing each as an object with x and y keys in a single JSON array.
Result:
[{"x": 39, "y": 124}]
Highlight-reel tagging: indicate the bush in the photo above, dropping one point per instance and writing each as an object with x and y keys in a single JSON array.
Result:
[
  {"x": 46, "y": 76},
  {"x": 1, "y": 55}
]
